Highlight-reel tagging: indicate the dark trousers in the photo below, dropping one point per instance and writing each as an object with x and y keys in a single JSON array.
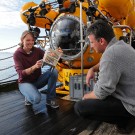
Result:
[{"x": 109, "y": 110}]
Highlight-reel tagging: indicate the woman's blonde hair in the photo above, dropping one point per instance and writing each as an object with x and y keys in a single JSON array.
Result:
[{"x": 26, "y": 32}]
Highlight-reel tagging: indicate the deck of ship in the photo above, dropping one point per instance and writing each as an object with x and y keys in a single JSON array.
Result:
[{"x": 18, "y": 119}]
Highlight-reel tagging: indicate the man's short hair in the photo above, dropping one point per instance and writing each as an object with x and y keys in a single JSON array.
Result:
[{"x": 101, "y": 29}]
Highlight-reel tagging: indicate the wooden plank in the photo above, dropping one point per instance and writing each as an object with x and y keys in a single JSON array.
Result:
[
  {"x": 16, "y": 118},
  {"x": 36, "y": 122}
]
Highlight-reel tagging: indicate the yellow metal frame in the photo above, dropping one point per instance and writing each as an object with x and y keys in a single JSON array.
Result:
[{"x": 64, "y": 77}]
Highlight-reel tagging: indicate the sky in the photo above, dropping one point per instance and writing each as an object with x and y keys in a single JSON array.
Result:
[{"x": 11, "y": 25}]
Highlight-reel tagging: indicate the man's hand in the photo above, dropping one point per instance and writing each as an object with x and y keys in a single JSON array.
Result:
[
  {"x": 91, "y": 73},
  {"x": 90, "y": 95},
  {"x": 89, "y": 76}
]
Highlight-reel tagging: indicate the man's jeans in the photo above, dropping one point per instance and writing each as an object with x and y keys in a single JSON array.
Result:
[
  {"x": 31, "y": 92},
  {"x": 108, "y": 110}
]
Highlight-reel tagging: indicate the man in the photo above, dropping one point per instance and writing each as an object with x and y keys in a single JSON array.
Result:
[{"x": 113, "y": 97}]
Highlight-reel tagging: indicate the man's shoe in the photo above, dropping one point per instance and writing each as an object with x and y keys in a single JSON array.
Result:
[
  {"x": 27, "y": 103},
  {"x": 122, "y": 130},
  {"x": 128, "y": 128},
  {"x": 52, "y": 103}
]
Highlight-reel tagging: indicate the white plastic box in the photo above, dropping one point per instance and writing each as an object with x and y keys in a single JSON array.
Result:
[{"x": 75, "y": 86}]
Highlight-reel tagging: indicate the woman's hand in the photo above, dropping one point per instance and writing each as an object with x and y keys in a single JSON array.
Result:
[
  {"x": 38, "y": 64},
  {"x": 31, "y": 69},
  {"x": 59, "y": 50},
  {"x": 53, "y": 54}
]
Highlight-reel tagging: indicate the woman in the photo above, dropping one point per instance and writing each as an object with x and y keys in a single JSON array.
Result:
[{"x": 28, "y": 62}]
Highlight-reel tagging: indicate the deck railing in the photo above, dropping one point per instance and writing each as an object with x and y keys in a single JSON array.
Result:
[{"x": 7, "y": 78}]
